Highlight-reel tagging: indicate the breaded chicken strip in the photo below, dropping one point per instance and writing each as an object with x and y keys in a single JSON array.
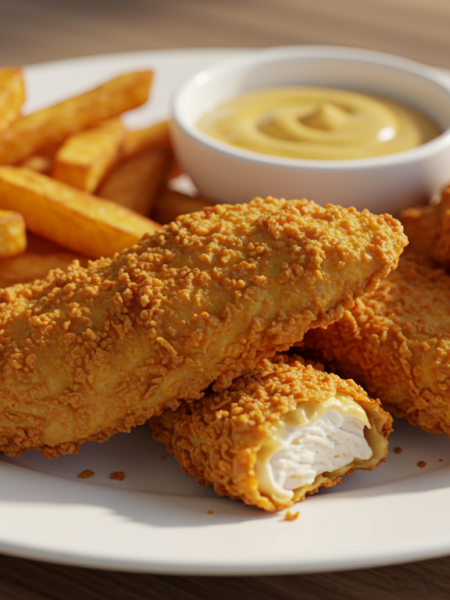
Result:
[
  {"x": 428, "y": 230},
  {"x": 422, "y": 226},
  {"x": 395, "y": 342},
  {"x": 277, "y": 434},
  {"x": 92, "y": 351}
]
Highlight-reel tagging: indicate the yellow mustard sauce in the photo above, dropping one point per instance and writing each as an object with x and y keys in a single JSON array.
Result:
[{"x": 318, "y": 124}]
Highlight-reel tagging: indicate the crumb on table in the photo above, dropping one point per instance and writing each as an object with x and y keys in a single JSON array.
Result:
[
  {"x": 398, "y": 450},
  {"x": 421, "y": 464},
  {"x": 440, "y": 460},
  {"x": 163, "y": 458},
  {"x": 85, "y": 474},
  {"x": 288, "y": 516},
  {"x": 117, "y": 475},
  {"x": 210, "y": 512}
]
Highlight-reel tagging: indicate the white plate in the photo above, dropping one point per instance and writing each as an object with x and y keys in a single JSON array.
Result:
[{"x": 156, "y": 520}]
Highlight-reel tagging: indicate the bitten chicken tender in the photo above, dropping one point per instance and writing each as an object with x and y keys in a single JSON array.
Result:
[
  {"x": 277, "y": 434},
  {"x": 91, "y": 351},
  {"x": 395, "y": 342}
]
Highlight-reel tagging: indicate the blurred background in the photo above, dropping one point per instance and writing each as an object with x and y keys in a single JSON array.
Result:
[{"x": 33, "y": 31}]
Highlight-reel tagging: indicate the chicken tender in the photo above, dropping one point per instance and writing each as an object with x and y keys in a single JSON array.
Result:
[
  {"x": 395, "y": 342},
  {"x": 428, "y": 230},
  {"x": 92, "y": 351},
  {"x": 277, "y": 434}
]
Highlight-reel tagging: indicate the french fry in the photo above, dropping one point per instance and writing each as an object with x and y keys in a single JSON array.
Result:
[
  {"x": 50, "y": 126},
  {"x": 75, "y": 219},
  {"x": 137, "y": 181},
  {"x": 12, "y": 95},
  {"x": 170, "y": 204},
  {"x": 85, "y": 157},
  {"x": 151, "y": 138},
  {"x": 49, "y": 150},
  {"x": 13, "y": 236},
  {"x": 141, "y": 140},
  {"x": 28, "y": 267},
  {"x": 39, "y": 245},
  {"x": 38, "y": 163}
]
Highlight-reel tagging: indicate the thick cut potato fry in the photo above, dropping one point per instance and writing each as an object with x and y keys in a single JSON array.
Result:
[
  {"x": 141, "y": 140},
  {"x": 39, "y": 245},
  {"x": 28, "y": 267},
  {"x": 85, "y": 157},
  {"x": 70, "y": 217},
  {"x": 170, "y": 204},
  {"x": 52, "y": 125},
  {"x": 13, "y": 236},
  {"x": 48, "y": 150},
  {"x": 12, "y": 95},
  {"x": 151, "y": 138},
  {"x": 137, "y": 181},
  {"x": 38, "y": 163}
]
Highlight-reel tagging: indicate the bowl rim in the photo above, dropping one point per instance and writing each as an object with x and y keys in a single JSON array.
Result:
[{"x": 258, "y": 57}]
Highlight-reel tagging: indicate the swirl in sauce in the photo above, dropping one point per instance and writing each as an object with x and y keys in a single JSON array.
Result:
[{"x": 318, "y": 124}]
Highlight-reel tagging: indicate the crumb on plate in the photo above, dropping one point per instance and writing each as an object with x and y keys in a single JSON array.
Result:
[
  {"x": 288, "y": 516},
  {"x": 421, "y": 464},
  {"x": 163, "y": 458},
  {"x": 85, "y": 474},
  {"x": 210, "y": 512},
  {"x": 398, "y": 450},
  {"x": 117, "y": 475}
]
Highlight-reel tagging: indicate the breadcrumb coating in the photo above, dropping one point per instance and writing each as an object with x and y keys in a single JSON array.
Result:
[
  {"x": 217, "y": 439},
  {"x": 291, "y": 516},
  {"x": 422, "y": 225},
  {"x": 86, "y": 474},
  {"x": 91, "y": 351},
  {"x": 395, "y": 342},
  {"x": 428, "y": 230}
]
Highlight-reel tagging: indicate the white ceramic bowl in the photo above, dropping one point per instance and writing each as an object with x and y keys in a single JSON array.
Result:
[{"x": 383, "y": 184}]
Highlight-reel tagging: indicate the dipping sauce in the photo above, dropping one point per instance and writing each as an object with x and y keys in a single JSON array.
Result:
[{"x": 318, "y": 124}]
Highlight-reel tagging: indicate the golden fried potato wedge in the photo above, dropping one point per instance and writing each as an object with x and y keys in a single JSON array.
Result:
[
  {"x": 170, "y": 204},
  {"x": 137, "y": 181},
  {"x": 70, "y": 217},
  {"x": 13, "y": 236},
  {"x": 51, "y": 126},
  {"x": 141, "y": 140},
  {"x": 85, "y": 157},
  {"x": 28, "y": 267},
  {"x": 12, "y": 95}
]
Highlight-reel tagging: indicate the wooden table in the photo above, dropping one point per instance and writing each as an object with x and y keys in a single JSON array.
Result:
[{"x": 39, "y": 30}]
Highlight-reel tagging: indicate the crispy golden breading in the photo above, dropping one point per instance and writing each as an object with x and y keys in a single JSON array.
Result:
[
  {"x": 428, "y": 229},
  {"x": 91, "y": 351},
  {"x": 422, "y": 225},
  {"x": 217, "y": 439},
  {"x": 395, "y": 342}
]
